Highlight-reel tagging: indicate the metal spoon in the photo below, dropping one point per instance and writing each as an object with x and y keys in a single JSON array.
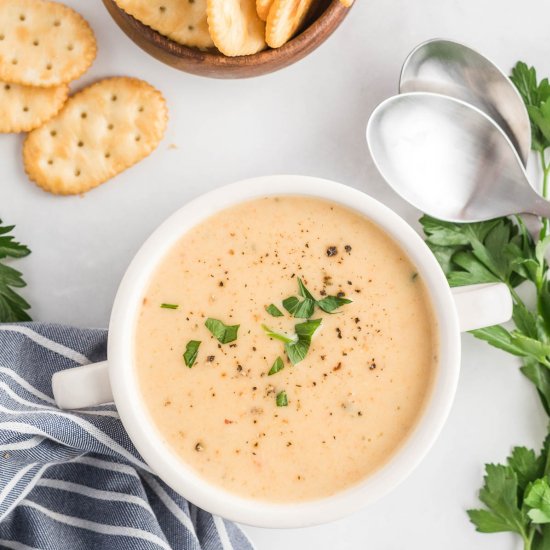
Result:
[
  {"x": 449, "y": 159},
  {"x": 450, "y": 68}
]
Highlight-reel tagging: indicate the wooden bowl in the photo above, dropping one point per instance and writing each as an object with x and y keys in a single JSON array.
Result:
[{"x": 321, "y": 23}]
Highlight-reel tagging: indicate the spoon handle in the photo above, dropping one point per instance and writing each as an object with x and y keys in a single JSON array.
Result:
[{"x": 540, "y": 207}]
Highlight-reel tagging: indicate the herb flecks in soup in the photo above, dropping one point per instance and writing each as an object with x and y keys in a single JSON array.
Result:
[{"x": 311, "y": 341}]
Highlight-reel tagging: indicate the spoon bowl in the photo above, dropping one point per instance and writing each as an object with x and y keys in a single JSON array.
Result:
[
  {"x": 455, "y": 70},
  {"x": 449, "y": 159}
]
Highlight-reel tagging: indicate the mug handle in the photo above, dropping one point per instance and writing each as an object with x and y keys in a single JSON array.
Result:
[
  {"x": 477, "y": 306},
  {"x": 82, "y": 387},
  {"x": 482, "y": 305}
]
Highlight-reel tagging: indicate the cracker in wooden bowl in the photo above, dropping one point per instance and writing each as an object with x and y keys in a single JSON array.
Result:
[
  {"x": 23, "y": 108},
  {"x": 183, "y": 21},
  {"x": 284, "y": 19},
  {"x": 101, "y": 131},
  {"x": 262, "y": 7},
  {"x": 43, "y": 43},
  {"x": 235, "y": 26}
]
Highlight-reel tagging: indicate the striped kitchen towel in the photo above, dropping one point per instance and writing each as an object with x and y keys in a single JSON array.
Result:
[{"x": 72, "y": 479}]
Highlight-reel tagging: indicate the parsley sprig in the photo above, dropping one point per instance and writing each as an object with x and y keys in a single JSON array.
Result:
[
  {"x": 516, "y": 495},
  {"x": 303, "y": 309},
  {"x": 13, "y": 308},
  {"x": 296, "y": 346}
]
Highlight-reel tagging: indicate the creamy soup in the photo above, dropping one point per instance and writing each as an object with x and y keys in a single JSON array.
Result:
[{"x": 314, "y": 427}]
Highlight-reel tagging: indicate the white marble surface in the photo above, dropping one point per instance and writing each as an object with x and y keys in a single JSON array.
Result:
[{"x": 307, "y": 119}]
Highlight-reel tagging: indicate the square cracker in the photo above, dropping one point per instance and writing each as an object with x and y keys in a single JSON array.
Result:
[
  {"x": 101, "y": 131},
  {"x": 23, "y": 108},
  {"x": 235, "y": 26},
  {"x": 181, "y": 20},
  {"x": 43, "y": 43}
]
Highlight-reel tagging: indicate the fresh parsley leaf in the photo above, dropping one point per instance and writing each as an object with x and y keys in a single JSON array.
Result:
[
  {"x": 538, "y": 500},
  {"x": 525, "y": 320},
  {"x": 301, "y": 309},
  {"x": 281, "y": 400},
  {"x": 330, "y": 303},
  {"x": 274, "y": 311},
  {"x": 298, "y": 349},
  {"x": 307, "y": 329},
  {"x": 540, "y": 376},
  {"x": 514, "y": 342},
  {"x": 222, "y": 332},
  {"x": 278, "y": 365},
  {"x": 169, "y": 306},
  {"x": 527, "y": 465},
  {"x": 536, "y": 96},
  {"x": 500, "y": 495},
  {"x": 304, "y": 309},
  {"x": 481, "y": 252},
  {"x": 191, "y": 352},
  {"x": 12, "y": 306},
  {"x": 544, "y": 306},
  {"x": 304, "y": 291},
  {"x": 276, "y": 335},
  {"x": 291, "y": 303}
]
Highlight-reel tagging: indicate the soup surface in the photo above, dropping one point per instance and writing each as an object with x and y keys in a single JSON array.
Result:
[{"x": 314, "y": 427}]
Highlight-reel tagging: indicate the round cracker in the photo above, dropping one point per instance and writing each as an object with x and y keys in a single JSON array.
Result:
[
  {"x": 43, "y": 43},
  {"x": 181, "y": 20},
  {"x": 102, "y": 130},
  {"x": 235, "y": 26},
  {"x": 262, "y": 7},
  {"x": 23, "y": 108},
  {"x": 284, "y": 19}
]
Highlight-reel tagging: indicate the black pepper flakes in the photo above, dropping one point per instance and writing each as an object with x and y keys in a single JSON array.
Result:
[
  {"x": 332, "y": 251},
  {"x": 347, "y": 248},
  {"x": 199, "y": 447},
  {"x": 339, "y": 333},
  {"x": 211, "y": 358},
  {"x": 341, "y": 294}
]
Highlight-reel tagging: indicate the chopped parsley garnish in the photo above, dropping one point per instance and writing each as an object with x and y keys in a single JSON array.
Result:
[
  {"x": 278, "y": 365},
  {"x": 222, "y": 332},
  {"x": 274, "y": 311},
  {"x": 297, "y": 347},
  {"x": 169, "y": 306},
  {"x": 330, "y": 303},
  {"x": 191, "y": 352},
  {"x": 305, "y": 308},
  {"x": 277, "y": 336},
  {"x": 281, "y": 399}
]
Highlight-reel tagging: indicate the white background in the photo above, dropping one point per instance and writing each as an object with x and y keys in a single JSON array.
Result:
[{"x": 308, "y": 119}]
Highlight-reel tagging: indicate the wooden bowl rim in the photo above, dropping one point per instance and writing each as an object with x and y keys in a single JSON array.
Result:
[{"x": 331, "y": 18}]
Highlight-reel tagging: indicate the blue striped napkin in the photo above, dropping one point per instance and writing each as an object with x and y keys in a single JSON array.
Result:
[{"x": 73, "y": 480}]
